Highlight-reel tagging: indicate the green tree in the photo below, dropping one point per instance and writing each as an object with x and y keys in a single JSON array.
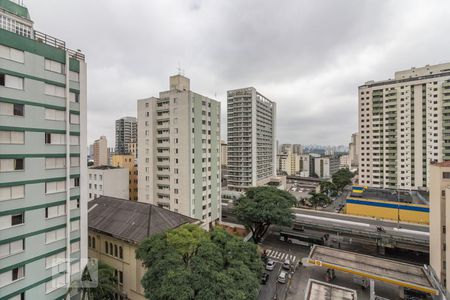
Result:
[
  {"x": 107, "y": 285},
  {"x": 261, "y": 207},
  {"x": 328, "y": 188},
  {"x": 318, "y": 199},
  {"x": 189, "y": 263},
  {"x": 342, "y": 178}
]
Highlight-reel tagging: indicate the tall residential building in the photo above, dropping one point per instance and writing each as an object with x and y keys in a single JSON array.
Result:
[
  {"x": 43, "y": 184},
  {"x": 325, "y": 167},
  {"x": 128, "y": 161},
  {"x": 289, "y": 162},
  {"x": 223, "y": 153},
  {"x": 440, "y": 220},
  {"x": 404, "y": 125},
  {"x": 101, "y": 155},
  {"x": 297, "y": 149},
  {"x": 305, "y": 162},
  {"x": 179, "y": 151},
  {"x": 108, "y": 181},
  {"x": 353, "y": 150},
  {"x": 251, "y": 139},
  {"x": 126, "y": 133}
]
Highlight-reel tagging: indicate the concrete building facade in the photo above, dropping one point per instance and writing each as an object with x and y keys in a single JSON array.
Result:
[
  {"x": 43, "y": 150},
  {"x": 251, "y": 139},
  {"x": 126, "y": 134},
  {"x": 100, "y": 152},
  {"x": 305, "y": 165},
  {"x": 223, "y": 154},
  {"x": 127, "y": 161},
  {"x": 108, "y": 181},
  {"x": 179, "y": 151},
  {"x": 353, "y": 150},
  {"x": 404, "y": 126},
  {"x": 289, "y": 162},
  {"x": 440, "y": 220},
  {"x": 325, "y": 167}
]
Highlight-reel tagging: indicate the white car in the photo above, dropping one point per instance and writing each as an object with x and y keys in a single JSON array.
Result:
[
  {"x": 270, "y": 265},
  {"x": 287, "y": 264},
  {"x": 282, "y": 277}
]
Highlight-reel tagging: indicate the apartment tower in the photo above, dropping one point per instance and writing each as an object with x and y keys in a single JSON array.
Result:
[
  {"x": 404, "y": 125},
  {"x": 179, "y": 151},
  {"x": 126, "y": 134},
  {"x": 251, "y": 139},
  {"x": 101, "y": 152},
  {"x": 43, "y": 184}
]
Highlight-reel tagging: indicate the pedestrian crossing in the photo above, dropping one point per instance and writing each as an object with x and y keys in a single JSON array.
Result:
[{"x": 279, "y": 255}]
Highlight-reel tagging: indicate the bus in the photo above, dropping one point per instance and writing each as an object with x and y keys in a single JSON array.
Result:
[{"x": 300, "y": 238}]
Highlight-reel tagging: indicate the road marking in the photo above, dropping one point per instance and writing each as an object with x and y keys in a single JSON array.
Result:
[
  {"x": 282, "y": 255},
  {"x": 268, "y": 252}
]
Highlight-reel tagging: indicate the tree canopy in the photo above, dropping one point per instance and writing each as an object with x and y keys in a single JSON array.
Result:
[
  {"x": 342, "y": 178},
  {"x": 317, "y": 199},
  {"x": 189, "y": 263},
  {"x": 328, "y": 188},
  {"x": 261, "y": 207}
]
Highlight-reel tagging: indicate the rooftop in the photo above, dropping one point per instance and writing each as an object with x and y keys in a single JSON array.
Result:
[
  {"x": 318, "y": 290},
  {"x": 404, "y": 196},
  {"x": 131, "y": 221},
  {"x": 386, "y": 270},
  {"x": 104, "y": 167},
  {"x": 14, "y": 8}
]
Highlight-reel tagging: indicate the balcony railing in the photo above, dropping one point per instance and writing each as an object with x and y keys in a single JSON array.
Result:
[{"x": 57, "y": 43}]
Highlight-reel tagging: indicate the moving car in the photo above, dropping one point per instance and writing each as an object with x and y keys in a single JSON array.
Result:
[
  {"x": 287, "y": 264},
  {"x": 270, "y": 265},
  {"x": 282, "y": 278},
  {"x": 264, "y": 278}
]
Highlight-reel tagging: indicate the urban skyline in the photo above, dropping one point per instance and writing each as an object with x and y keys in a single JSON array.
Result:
[{"x": 293, "y": 75}]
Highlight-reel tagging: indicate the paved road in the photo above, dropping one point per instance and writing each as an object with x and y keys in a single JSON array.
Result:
[{"x": 272, "y": 287}]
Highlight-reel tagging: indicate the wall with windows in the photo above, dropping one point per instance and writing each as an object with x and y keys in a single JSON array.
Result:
[
  {"x": 108, "y": 182},
  {"x": 121, "y": 256}
]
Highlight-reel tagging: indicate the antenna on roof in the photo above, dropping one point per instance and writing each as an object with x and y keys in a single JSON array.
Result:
[{"x": 180, "y": 70}]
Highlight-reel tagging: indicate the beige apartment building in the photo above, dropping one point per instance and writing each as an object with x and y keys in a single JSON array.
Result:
[
  {"x": 289, "y": 162},
  {"x": 223, "y": 153},
  {"x": 101, "y": 152},
  {"x": 440, "y": 220},
  {"x": 404, "y": 125},
  {"x": 353, "y": 150},
  {"x": 115, "y": 242},
  {"x": 179, "y": 151},
  {"x": 251, "y": 139}
]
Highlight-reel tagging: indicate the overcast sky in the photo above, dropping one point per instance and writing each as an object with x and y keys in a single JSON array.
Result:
[{"x": 308, "y": 56}]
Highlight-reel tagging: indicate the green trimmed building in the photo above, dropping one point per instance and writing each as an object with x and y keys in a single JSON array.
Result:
[{"x": 43, "y": 184}]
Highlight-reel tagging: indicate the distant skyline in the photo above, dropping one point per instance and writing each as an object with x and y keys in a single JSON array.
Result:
[{"x": 309, "y": 57}]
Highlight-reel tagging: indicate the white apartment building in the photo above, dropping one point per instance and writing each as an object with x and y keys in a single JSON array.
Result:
[
  {"x": 353, "y": 150},
  {"x": 326, "y": 166},
  {"x": 305, "y": 162},
  {"x": 179, "y": 151},
  {"x": 440, "y": 220},
  {"x": 404, "y": 125},
  {"x": 251, "y": 139},
  {"x": 101, "y": 152},
  {"x": 108, "y": 181},
  {"x": 43, "y": 167}
]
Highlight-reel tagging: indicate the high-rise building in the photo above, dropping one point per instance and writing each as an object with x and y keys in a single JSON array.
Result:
[
  {"x": 404, "y": 126},
  {"x": 101, "y": 155},
  {"x": 126, "y": 134},
  {"x": 289, "y": 162},
  {"x": 353, "y": 150},
  {"x": 305, "y": 162},
  {"x": 440, "y": 220},
  {"x": 179, "y": 151},
  {"x": 43, "y": 167},
  {"x": 325, "y": 167},
  {"x": 297, "y": 149},
  {"x": 251, "y": 139},
  {"x": 223, "y": 153},
  {"x": 108, "y": 181}
]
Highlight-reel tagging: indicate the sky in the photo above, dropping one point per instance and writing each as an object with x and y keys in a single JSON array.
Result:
[{"x": 307, "y": 56}]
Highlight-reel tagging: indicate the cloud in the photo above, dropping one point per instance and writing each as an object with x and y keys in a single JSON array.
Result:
[{"x": 308, "y": 56}]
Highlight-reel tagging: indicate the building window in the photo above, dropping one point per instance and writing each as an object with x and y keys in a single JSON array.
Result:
[
  {"x": 55, "y": 211},
  {"x": 54, "y": 66},
  {"x": 446, "y": 175},
  {"x": 93, "y": 242},
  {"x": 120, "y": 252},
  {"x": 116, "y": 252},
  {"x": 55, "y": 283},
  {"x": 11, "y": 53},
  {"x": 74, "y": 225},
  {"x": 74, "y": 119},
  {"x": 12, "y": 275},
  {"x": 7, "y": 165},
  {"x": 55, "y": 235},
  {"x": 55, "y": 187},
  {"x": 55, "y": 163},
  {"x": 12, "y": 248},
  {"x": 53, "y": 90},
  {"x": 55, "y": 138},
  {"x": 12, "y": 82},
  {"x": 111, "y": 252},
  {"x": 12, "y": 137},
  {"x": 106, "y": 248},
  {"x": 55, "y": 114},
  {"x": 55, "y": 260},
  {"x": 9, "y": 109}
]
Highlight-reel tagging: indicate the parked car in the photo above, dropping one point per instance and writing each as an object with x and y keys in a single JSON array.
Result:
[
  {"x": 282, "y": 278},
  {"x": 287, "y": 264},
  {"x": 270, "y": 265},
  {"x": 264, "y": 278}
]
